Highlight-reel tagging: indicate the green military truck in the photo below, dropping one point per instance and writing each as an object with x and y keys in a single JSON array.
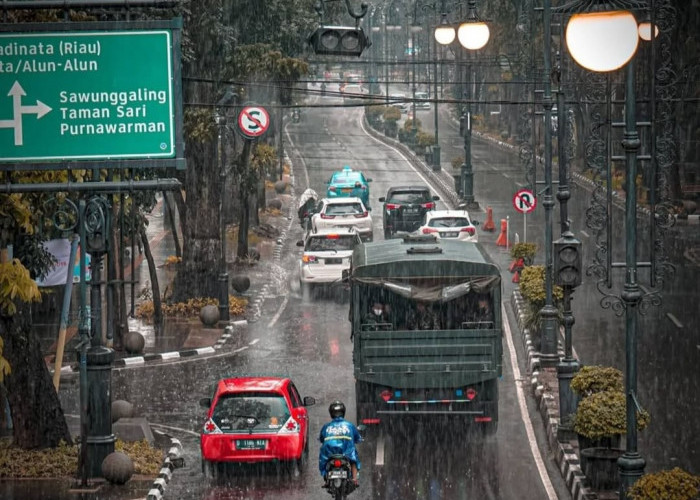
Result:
[{"x": 448, "y": 362}]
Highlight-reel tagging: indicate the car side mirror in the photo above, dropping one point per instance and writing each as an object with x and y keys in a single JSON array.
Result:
[
  {"x": 475, "y": 222},
  {"x": 436, "y": 198},
  {"x": 369, "y": 180},
  {"x": 369, "y": 209},
  {"x": 382, "y": 199},
  {"x": 309, "y": 401},
  {"x": 205, "y": 403},
  {"x": 300, "y": 243}
]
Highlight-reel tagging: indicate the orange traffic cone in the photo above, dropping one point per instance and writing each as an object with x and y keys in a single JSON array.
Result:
[
  {"x": 516, "y": 265},
  {"x": 516, "y": 277},
  {"x": 489, "y": 225},
  {"x": 502, "y": 240}
]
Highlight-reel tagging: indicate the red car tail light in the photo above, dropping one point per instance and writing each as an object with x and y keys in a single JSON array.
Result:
[
  {"x": 392, "y": 206},
  {"x": 430, "y": 205},
  {"x": 325, "y": 216},
  {"x": 470, "y": 230},
  {"x": 361, "y": 216},
  {"x": 331, "y": 189},
  {"x": 429, "y": 230},
  {"x": 210, "y": 428}
]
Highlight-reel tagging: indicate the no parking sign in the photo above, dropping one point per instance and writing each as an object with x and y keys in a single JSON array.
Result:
[{"x": 253, "y": 121}]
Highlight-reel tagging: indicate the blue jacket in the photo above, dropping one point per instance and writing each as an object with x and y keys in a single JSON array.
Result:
[{"x": 338, "y": 437}]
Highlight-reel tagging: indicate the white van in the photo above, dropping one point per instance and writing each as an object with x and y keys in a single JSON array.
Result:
[{"x": 422, "y": 104}]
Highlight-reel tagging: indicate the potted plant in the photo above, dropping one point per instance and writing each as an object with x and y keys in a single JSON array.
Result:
[
  {"x": 600, "y": 416},
  {"x": 674, "y": 484},
  {"x": 532, "y": 288},
  {"x": 423, "y": 141},
  {"x": 591, "y": 380},
  {"x": 391, "y": 115}
]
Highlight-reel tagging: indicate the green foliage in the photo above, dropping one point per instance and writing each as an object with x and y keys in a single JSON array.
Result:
[
  {"x": 674, "y": 484},
  {"x": 392, "y": 113},
  {"x": 532, "y": 286},
  {"x": 603, "y": 414},
  {"x": 200, "y": 125},
  {"x": 408, "y": 124},
  {"x": 525, "y": 251},
  {"x": 263, "y": 158},
  {"x": 592, "y": 379},
  {"x": 62, "y": 461},
  {"x": 424, "y": 139}
]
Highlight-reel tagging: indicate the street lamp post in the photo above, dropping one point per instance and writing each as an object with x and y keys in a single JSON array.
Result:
[
  {"x": 548, "y": 313},
  {"x": 612, "y": 22}
]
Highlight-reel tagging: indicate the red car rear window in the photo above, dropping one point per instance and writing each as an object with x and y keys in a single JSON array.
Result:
[{"x": 250, "y": 411}]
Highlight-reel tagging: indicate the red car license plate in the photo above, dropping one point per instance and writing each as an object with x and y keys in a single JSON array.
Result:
[{"x": 251, "y": 444}]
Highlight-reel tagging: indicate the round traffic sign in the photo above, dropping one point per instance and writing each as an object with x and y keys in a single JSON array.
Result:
[
  {"x": 524, "y": 201},
  {"x": 253, "y": 121}
]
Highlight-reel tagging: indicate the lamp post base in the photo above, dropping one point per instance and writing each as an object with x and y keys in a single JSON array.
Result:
[
  {"x": 631, "y": 466},
  {"x": 566, "y": 369},
  {"x": 223, "y": 301}
]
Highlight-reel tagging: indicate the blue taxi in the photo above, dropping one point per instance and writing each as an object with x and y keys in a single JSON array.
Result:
[{"x": 349, "y": 183}]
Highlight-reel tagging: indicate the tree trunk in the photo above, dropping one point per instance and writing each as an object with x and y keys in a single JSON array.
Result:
[
  {"x": 243, "y": 224},
  {"x": 254, "y": 211},
  {"x": 167, "y": 201},
  {"x": 37, "y": 416},
  {"x": 157, "y": 306},
  {"x": 181, "y": 206}
]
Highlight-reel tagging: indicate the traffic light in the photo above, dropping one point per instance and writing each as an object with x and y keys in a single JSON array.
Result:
[
  {"x": 339, "y": 41},
  {"x": 568, "y": 261}
]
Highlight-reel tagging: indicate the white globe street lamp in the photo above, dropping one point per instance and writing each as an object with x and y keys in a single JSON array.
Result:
[
  {"x": 602, "y": 41},
  {"x": 444, "y": 33},
  {"x": 473, "y": 32},
  {"x": 645, "y": 31}
]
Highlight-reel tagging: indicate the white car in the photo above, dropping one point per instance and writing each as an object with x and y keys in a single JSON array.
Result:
[
  {"x": 350, "y": 212},
  {"x": 327, "y": 254},
  {"x": 449, "y": 224},
  {"x": 399, "y": 102}
]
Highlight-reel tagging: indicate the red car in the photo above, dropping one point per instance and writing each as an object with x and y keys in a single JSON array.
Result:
[{"x": 253, "y": 420}]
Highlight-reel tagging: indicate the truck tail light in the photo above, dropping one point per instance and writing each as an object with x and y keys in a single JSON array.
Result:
[
  {"x": 482, "y": 419},
  {"x": 385, "y": 394},
  {"x": 471, "y": 394}
]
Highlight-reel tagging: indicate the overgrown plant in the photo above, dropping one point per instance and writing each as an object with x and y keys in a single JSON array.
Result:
[
  {"x": 674, "y": 484},
  {"x": 593, "y": 379},
  {"x": 603, "y": 414},
  {"x": 532, "y": 288},
  {"x": 525, "y": 251}
]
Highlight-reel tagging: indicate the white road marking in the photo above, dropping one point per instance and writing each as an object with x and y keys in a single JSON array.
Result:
[
  {"x": 177, "y": 429},
  {"x": 278, "y": 314},
  {"x": 254, "y": 341},
  {"x": 380, "y": 450},
  {"x": 241, "y": 348},
  {"x": 585, "y": 233},
  {"x": 301, "y": 157},
  {"x": 536, "y": 454}
]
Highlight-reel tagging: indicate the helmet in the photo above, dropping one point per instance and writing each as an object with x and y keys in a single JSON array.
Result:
[{"x": 337, "y": 409}]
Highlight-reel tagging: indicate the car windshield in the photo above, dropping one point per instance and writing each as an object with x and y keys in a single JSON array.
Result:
[
  {"x": 408, "y": 197},
  {"x": 345, "y": 179},
  {"x": 344, "y": 209},
  {"x": 448, "y": 222},
  {"x": 234, "y": 411},
  {"x": 338, "y": 242}
]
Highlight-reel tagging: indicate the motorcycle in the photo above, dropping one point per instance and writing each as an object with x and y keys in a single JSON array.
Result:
[{"x": 339, "y": 477}]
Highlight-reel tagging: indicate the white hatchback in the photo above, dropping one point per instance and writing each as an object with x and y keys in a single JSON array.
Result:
[
  {"x": 449, "y": 224},
  {"x": 343, "y": 213},
  {"x": 327, "y": 254}
]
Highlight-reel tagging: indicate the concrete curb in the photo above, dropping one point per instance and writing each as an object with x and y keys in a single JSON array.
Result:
[
  {"x": 257, "y": 302},
  {"x": 564, "y": 454},
  {"x": 173, "y": 460}
]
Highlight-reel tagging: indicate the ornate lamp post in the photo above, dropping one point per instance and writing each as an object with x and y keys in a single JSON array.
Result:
[
  {"x": 473, "y": 34},
  {"x": 602, "y": 36}
]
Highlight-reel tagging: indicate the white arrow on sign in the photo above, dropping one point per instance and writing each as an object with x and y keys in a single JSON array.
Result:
[{"x": 39, "y": 109}]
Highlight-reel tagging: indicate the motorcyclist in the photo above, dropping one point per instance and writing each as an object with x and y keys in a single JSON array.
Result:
[{"x": 338, "y": 437}]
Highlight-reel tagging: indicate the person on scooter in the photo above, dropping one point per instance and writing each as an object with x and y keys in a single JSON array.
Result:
[{"x": 338, "y": 437}]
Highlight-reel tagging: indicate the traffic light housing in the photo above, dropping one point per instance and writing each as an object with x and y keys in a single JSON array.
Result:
[
  {"x": 568, "y": 261},
  {"x": 339, "y": 41}
]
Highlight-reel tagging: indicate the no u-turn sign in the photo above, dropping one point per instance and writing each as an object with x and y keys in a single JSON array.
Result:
[{"x": 524, "y": 201}]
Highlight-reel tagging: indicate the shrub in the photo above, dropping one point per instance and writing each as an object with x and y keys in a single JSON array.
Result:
[
  {"x": 674, "y": 484},
  {"x": 374, "y": 112},
  {"x": 392, "y": 113},
  {"x": 603, "y": 414},
  {"x": 191, "y": 308},
  {"x": 525, "y": 251},
  {"x": 592, "y": 379},
  {"x": 424, "y": 139},
  {"x": 532, "y": 286},
  {"x": 457, "y": 162},
  {"x": 408, "y": 124}
]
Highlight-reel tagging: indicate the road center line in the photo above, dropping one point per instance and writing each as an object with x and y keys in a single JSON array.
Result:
[
  {"x": 524, "y": 415},
  {"x": 254, "y": 341}
]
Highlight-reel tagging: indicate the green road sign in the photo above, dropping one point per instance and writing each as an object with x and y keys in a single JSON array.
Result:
[{"x": 91, "y": 95}]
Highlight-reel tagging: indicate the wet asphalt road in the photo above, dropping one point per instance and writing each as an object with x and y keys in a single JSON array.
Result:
[{"x": 309, "y": 341}]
